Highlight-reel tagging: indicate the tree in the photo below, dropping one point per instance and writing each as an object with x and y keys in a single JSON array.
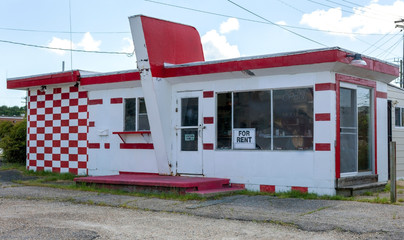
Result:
[
  {"x": 11, "y": 111},
  {"x": 13, "y": 143}
]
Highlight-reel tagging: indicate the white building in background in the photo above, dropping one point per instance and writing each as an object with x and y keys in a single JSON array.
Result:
[
  {"x": 396, "y": 104},
  {"x": 306, "y": 120}
]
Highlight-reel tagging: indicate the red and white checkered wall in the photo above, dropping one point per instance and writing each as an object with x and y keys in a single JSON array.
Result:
[{"x": 57, "y": 130}]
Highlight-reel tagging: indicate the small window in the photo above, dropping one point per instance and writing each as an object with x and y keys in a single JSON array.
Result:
[
  {"x": 136, "y": 115},
  {"x": 143, "y": 119},
  {"x": 399, "y": 113}
]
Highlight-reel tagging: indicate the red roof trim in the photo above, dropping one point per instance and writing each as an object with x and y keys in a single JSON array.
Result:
[
  {"x": 51, "y": 79},
  {"x": 315, "y": 57},
  {"x": 113, "y": 78}
]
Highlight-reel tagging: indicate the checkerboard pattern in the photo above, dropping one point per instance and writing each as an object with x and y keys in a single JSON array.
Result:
[{"x": 57, "y": 130}]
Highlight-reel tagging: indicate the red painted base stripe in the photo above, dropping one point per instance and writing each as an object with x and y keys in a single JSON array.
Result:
[
  {"x": 323, "y": 147},
  {"x": 300, "y": 189},
  {"x": 238, "y": 185},
  {"x": 136, "y": 146},
  {"x": 208, "y": 146},
  {"x": 267, "y": 188},
  {"x": 323, "y": 116}
]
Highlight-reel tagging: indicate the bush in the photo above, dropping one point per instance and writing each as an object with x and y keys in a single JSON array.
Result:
[
  {"x": 13, "y": 143},
  {"x": 5, "y": 128}
]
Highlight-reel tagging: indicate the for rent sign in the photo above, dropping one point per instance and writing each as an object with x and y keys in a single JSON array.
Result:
[{"x": 244, "y": 138}]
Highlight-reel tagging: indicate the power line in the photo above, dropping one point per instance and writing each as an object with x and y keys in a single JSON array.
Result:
[
  {"x": 390, "y": 49},
  {"x": 278, "y": 25},
  {"x": 325, "y": 5},
  {"x": 291, "y": 6},
  {"x": 51, "y": 31},
  {"x": 355, "y": 4},
  {"x": 388, "y": 40},
  {"x": 256, "y": 21},
  {"x": 65, "y": 49}
]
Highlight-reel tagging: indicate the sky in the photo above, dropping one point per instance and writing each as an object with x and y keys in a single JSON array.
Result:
[{"x": 98, "y": 31}]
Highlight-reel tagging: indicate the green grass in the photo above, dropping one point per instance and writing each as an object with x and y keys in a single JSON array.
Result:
[
  {"x": 383, "y": 200},
  {"x": 51, "y": 179},
  {"x": 11, "y": 166},
  {"x": 50, "y": 176}
]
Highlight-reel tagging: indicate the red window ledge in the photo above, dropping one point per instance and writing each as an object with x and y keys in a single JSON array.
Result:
[{"x": 120, "y": 134}]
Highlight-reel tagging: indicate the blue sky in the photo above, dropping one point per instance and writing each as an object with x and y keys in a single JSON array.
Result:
[{"x": 227, "y": 30}]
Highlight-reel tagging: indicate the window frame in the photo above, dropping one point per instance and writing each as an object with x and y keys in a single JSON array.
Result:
[
  {"x": 271, "y": 119},
  {"x": 401, "y": 117},
  {"x": 137, "y": 114}
]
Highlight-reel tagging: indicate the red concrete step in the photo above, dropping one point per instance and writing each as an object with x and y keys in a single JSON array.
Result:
[{"x": 144, "y": 181}]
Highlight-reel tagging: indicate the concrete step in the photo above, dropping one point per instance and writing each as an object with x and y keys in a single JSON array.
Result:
[
  {"x": 354, "y": 190},
  {"x": 357, "y": 180}
]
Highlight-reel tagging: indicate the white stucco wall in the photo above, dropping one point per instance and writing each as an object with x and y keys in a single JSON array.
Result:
[
  {"x": 312, "y": 169},
  {"x": 110, "y": 118}
]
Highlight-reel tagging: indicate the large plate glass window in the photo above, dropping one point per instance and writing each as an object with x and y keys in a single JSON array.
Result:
[
  {"x": 288, "y": 125},
  {"x": 293, "y": 119}
]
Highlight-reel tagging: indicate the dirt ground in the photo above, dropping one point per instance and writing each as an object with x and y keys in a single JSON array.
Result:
[{"x": 33, "y": 219}]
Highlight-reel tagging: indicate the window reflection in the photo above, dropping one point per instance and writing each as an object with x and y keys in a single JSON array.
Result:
[{"x": 293, "y": 119}]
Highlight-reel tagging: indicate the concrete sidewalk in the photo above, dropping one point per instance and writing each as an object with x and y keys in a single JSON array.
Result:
[{"x": 385, "y": 221}]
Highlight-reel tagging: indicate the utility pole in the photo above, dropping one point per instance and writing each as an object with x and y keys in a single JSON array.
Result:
[{"x": 400, "y": 24}]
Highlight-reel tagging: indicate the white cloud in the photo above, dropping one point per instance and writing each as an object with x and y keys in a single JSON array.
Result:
[
  {"x": 88, "y": 43},
  {"x": 281, "y": 23},
  {"x": 60, "y": 43},
  {"x": 129, "y": 45},
  {"x": 373, "y": 18},
  {"x": 230, "y": 25},
  {"x": 215, "y": 46}
]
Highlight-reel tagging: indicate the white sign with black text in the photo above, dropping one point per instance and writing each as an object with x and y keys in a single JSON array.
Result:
[{"x": 244, "y": 138}]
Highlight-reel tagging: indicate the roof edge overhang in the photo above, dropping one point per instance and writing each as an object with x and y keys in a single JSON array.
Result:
[
  {"x": 110, "y": 77},
  {"x": 65, "y": 78},
  {"x": 58, "y": 78},
  {"x": 335, "y": 58}
]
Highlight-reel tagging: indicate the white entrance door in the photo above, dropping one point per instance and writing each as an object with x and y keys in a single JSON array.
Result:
[{"x": 189, "y": 129}]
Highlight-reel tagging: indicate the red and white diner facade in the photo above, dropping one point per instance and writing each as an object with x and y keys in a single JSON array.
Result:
[{"x": 297, "y": 120}]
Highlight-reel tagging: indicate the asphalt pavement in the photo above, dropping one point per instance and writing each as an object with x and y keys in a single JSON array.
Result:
[{"x": 375, "y": 221}]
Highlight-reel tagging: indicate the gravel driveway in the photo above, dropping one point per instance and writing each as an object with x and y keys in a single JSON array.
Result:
[{"x": 49, "y": 213}]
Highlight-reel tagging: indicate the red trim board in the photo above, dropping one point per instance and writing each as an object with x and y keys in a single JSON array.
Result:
[
  {"x": 94, "y": 101},
  {"x": 325, "y": 87},
  {"x": 381, "y": 94},
  {"x": 136, "y": 146},
  {"x": 43, "y": 80},
  {"x": 112, "y": 78},
  {"x": 305, "y": 58},
  {"x": 323, "y": 117}
]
